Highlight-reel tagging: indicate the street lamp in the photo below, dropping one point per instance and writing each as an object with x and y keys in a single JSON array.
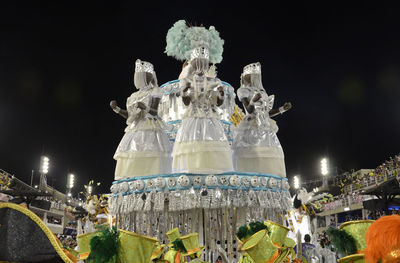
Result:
[
  {"x": 44, "y": 165},
  {"x": 43, "y": 169},
  {"x": 296, "y": 182},
  {"x": 71, "y": 180},
  {"x": 324, "y": 166}
]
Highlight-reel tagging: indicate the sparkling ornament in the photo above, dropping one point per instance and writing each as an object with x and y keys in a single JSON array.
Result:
[
  {"x": 223, "y": 180},
  {"x": 264, "y": 181},
  {"x": 254, "y": 181},
  {"x": 139, "y": 184},
  {"x": 171, "y": 182},
  {"x": 114, "y": 188},
  {"x": 234, "y": 180},
  {"x": 197, "y": 180},
  {"x": 211, "y": 180},
  {"x": 159, "y": 182},
  {"x": 150, "y": 184},
  {"x": 246, "y": 181},
  {"x": 132, "y": 186},
  {"x": 272, "y": 183},
  {"x": 183, "y": 180},
  {"x": 124, "y": 187}
]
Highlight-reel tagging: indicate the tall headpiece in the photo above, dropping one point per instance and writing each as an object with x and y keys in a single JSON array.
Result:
[
  {"x": 144, "y": 66},
  {"x": 253, "y": 68},
  {"x": 200, "y": 52},
  {"x": 183, "y": 42}
]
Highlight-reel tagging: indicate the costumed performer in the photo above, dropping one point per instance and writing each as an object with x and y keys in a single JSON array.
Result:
[
  {"x": 145, "y": 148},
  {"x": 349, "y": 240},
  {"x": 256, "y": 146},
  {"x": 201, "y": 145}
]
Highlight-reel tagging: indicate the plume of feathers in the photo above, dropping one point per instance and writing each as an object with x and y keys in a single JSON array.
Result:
[
  {"x": 104, "y": 247},
  {"x": 245, "y": 231},
  {"x": 382, "y": 236},
  {"x": 343, "y": 242},
  {"x": 178, "y": 245},
  {"x": 181, "y": 40}
]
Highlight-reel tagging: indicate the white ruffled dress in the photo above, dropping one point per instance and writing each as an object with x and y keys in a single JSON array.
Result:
[
  {"x": 145, "y": 148},
  {"x": 201, "y": 145},
  {"x": 255, "y": 145}
]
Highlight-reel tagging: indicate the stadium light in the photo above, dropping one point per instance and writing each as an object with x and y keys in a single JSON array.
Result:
[
  {"x": 44, "y": 165},
  {"x": 296, "y": 182},
  {"x": 71, "y": 181},
  {"x": 324, "y": 167}
]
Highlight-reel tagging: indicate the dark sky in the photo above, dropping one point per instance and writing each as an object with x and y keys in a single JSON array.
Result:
[{"x": 61, "y": 64}]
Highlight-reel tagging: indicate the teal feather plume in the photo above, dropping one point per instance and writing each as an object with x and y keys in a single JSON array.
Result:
[{"x": 181, "y": 40}]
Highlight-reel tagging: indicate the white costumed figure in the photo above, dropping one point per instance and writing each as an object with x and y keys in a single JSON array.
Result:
[
  {"x": 201, "y": 145},
  {"x": 145, "y": 148},
  {"x": 256, "y": 146}
]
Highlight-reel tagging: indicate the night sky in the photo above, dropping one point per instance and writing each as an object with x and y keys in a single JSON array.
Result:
[{"x": 61, "y": 64}]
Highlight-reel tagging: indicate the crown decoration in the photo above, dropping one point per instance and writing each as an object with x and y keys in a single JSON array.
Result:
[
  {"x": 144, "y": 66},
  {"x": 183, "y": 39},
  {"x": 200, "y": 52},
  {"x": 253, "y": 68}
]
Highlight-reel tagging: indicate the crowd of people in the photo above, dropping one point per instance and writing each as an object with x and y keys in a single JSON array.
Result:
[{"x": 387, "y": 169}]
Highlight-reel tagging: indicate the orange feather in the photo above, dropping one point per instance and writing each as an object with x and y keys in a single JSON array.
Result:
[{"x": 382, "y": 236}]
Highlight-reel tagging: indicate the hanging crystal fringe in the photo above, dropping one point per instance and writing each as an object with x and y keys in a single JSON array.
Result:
[{"x": 214, "y": 213}]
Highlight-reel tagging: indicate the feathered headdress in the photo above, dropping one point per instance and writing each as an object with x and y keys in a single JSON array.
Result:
[
  {"x": 181, "y": 40},
  {"x": 383, "y": 240}
]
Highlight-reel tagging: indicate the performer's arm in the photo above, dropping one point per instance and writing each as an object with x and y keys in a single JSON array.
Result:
[
  {"x": 185, "y": 95},
  {"x": 221, "y": 96},
  {"x": 287, "y": 106},
  {"x": 118, "y": 110},
  {"x": 155, "y": 102}
]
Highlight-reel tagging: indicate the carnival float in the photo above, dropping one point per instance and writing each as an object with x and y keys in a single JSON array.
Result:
[
  {"x": 190, "y": 158},
  {"x": 196, "y": 178}
]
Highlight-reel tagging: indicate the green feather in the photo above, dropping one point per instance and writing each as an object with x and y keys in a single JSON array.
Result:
[
  {"x": 258, "y": 226},
  {"x": 343, "y": 242},
  {"x": 349, "y": 243},
  {"x": 178, "y": 245},
  {"x": 242, "y": 232},
  {"x": 104, "y": 247}
]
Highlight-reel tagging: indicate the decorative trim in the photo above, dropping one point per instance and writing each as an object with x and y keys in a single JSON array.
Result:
[{"x": 42, "y": 225}]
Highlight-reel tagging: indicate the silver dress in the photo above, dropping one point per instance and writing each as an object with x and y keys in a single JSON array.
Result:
[
  {"x": 256, "y": 146},
  {"x": 145, "y": 148}
]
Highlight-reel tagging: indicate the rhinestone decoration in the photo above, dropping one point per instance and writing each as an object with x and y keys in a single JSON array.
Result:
[
  {"x": 253, "y": 68},
  {"x": 254, "y": 181},
  {"x": 264, "y": 181},
  {"x": 139, "y": 184},
  {"x": 171, "y": 182},
  {"x": 200, "y": 52},
  {"x": 211, "y": 180},
  {"x": 197, "y": 180},
  {"x": 223, "y": 180},
  {"x": 246, "y": 181},
  {"x": 132, "y": 186},
  {"x": 234, "y": 180},
  {"x": 160, "y": 182},
  {"x": 144, "y": 66},
  {"x": 124, "y": 187},
  {"x": 183, "y": 180}
]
